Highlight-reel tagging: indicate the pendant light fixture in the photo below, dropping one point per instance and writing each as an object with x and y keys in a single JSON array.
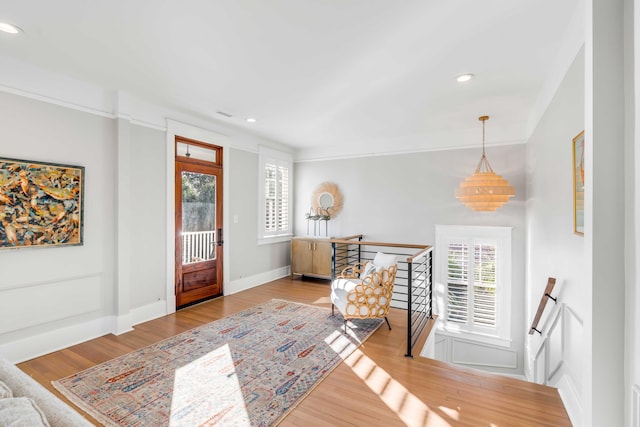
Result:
[{"x": 484, "y": 190}]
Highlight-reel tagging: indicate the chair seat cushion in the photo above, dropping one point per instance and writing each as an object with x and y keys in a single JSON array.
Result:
[
  {"x": 340, "y": 289},
  {"x": 366, "y": 303},
  {"x": 370, "y": 295}
]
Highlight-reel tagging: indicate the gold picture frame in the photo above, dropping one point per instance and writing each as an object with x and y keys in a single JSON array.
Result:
[
  {"x": 41, "y": 204},
  {"x": 578, "y": 184}
]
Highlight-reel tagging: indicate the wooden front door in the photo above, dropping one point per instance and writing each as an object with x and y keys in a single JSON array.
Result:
[{"x": 198, "y": 223}]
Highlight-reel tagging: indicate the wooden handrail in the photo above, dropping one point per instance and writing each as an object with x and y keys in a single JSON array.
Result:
[
  {"x": 355, "y": 236},
  {"x": 543, "y": 302},
  {"x": 419, "y": 254},
  {"x": 391, "y": 245}
]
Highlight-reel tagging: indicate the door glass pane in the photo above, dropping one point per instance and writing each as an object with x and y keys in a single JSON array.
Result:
[
  {"x": 198, "y": 217},
  {"x": 196, "y": 152}
]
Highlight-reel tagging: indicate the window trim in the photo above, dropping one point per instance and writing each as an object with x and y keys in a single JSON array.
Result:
[
  {"x": 281, "y": 158},
  {"x": 502, "y": 238}
]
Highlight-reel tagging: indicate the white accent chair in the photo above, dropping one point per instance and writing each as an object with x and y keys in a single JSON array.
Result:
[{"x": 364, "y": 290}]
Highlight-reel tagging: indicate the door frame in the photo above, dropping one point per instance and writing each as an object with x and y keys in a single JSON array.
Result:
[
  {"x": 175, "y": 128},
  {"x": 212, "y": 168}
]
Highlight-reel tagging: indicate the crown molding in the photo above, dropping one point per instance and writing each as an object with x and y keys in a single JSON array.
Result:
[{"x": 25, "y": 80}]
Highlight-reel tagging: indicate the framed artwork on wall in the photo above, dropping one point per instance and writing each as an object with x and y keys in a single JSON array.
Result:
[
  {"x": 41, "y": 204},
  {"x": 578, "y": 184}
]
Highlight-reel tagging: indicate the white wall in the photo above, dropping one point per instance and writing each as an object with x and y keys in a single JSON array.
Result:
[
  {"x": 148, "y": 202},
  {"x": 55, "y": 297},
  {"x": 592, "y": 338},
  {"x": 250, "y": 263},
  {"x": 53, "y": 288},
  {"x": 605, "y": 212},
  {"x": 400, "y": 198},
  {"x": 553, "y": 248},
  {"x": 632, "y": 159}
]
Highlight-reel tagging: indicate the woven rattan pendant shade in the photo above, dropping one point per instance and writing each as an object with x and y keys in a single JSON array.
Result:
[{"x": 484, "y": 190}]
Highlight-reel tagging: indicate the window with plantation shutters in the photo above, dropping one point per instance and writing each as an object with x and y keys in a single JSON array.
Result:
[
  {"x": 484, "y": 286},
  {"x": 458, "y": 282},
  {"x": 275, "y": 195},
  {"x": 270, "y": 197},
  {"x": 283, "y": 199},
  {"x": 474, "y": 273}
]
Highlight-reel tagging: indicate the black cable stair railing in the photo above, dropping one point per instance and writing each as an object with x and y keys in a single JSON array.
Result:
[{"x": 413, "y": 289}]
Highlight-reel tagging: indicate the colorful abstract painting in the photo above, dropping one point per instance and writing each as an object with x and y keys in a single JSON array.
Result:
[{"x": 41, "y": 204}]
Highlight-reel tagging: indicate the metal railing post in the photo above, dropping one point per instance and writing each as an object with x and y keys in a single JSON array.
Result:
[
  {"x": 333, "y": 261},
  {"x": 430, "y": 284},
  {"x": 409, "y": 309}
]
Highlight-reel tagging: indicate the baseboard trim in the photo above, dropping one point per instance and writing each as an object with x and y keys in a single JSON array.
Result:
[
  {"x": 40, "y": 344},
  {"x": 50, "y": 341},
  {"x": 245, "y": 283},
  {"x": 570, "y": 398},
  {"x": 124, "y": 323},
  {"x": 520, "y": 377},
  {"x": 149, "y": 312},
  {"x": 635, "y": 415}
]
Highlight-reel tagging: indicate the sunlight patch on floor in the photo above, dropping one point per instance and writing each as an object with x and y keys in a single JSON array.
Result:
[
  {"x": 206, "y": 392},
  {"x": 411, "y": 410},
  {"x": 323, "y": 300},
  {"x": 450, "y": 412},
  {"x": 341, "y": 344}
]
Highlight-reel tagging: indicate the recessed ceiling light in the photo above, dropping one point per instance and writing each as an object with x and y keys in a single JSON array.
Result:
[
  {"x": 464, "y": 77},
  {"x": 8, "y": 28},
  {"x": 251, "y": 120}
]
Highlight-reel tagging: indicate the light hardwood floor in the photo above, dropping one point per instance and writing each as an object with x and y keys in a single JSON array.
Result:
[{"x": 375, "y": 386}]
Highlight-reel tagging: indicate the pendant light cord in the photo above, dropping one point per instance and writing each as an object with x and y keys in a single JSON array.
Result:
[
  {"x": 483, "y": 165},
  {"x": 483, "y": 138}
]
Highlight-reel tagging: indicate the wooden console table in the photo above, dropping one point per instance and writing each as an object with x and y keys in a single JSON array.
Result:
[{"x": 311, "y": 256}]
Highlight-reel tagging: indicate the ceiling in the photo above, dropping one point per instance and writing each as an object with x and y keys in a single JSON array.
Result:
[{"x": 327, "y": 77}]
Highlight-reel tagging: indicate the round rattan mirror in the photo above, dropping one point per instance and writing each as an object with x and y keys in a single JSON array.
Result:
[{"x": 327, "y": 200}]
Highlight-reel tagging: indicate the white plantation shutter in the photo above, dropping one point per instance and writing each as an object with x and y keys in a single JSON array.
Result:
[
  {"x": 484, "y": 286},
  {"x": 270, "y": 198},
  {"x": 283, "y": 199},
  {"x": 475, "y": 265},
  {"x": 458, "y": 282},
  {"x": 464, "y": 302},
  {"x": 275, "y": 195}
]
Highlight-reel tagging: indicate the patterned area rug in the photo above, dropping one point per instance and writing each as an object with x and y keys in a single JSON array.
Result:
[{"x": 247, "y": 369}]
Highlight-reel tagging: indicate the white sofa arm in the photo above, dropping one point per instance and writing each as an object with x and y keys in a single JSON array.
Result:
[{"x": 57, "y": 412}]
